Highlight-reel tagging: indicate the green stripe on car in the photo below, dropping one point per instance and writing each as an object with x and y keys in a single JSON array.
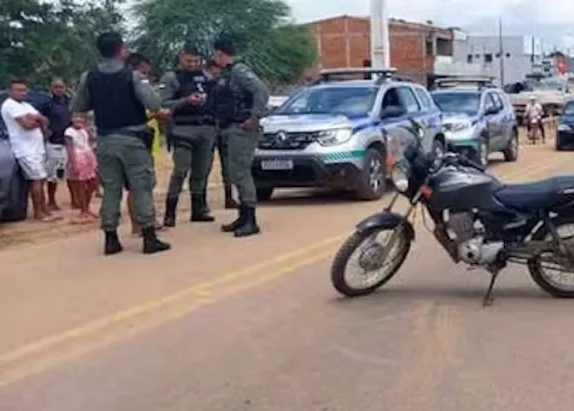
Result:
[{"x": 343, "y": 156}]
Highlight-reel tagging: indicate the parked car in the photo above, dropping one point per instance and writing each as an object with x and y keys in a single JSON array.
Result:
[
  {"x": 565, "y": 128},
  {"x": 13, "y": 186},
  {"x": 338, "y": 133},
  {"x": 478, "y": 121}
]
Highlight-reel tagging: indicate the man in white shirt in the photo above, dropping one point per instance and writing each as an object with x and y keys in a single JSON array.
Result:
[{"x": 24, "y": 125}]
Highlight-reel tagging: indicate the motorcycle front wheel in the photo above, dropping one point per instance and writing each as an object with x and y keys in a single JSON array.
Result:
[{"x": 375, "y": 262}]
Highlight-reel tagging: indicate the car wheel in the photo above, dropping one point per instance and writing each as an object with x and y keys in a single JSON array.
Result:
[
  {"x": 372, "y": 180},
  {"x": 511, "y": 150},
  {"x": 481, "y": 153},
  {"x": 264, "y": 194},
  {"x": 559, "y": 146}
]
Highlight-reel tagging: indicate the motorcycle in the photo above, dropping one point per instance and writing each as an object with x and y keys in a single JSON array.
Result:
[{"x": 479, "y": 220}]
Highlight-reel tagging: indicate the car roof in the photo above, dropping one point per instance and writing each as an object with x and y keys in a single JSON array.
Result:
[{"x": 357, "y": 84}]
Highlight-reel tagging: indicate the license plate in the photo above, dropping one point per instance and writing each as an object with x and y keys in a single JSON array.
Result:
[{"x": 277, "y": 165}]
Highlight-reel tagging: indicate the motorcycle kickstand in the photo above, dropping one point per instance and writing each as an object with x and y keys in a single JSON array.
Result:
[{"x": 488, "y": 300}]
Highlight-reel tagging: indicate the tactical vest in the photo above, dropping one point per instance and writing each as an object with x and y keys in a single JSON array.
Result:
[
  {"x": 232, "y": 104},
  {"x": 114, "y": 101},
  {"x": 193, "y": 82}
]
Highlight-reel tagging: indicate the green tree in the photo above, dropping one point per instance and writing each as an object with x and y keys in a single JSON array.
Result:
[
  {"x": 41, "y": 40},
  {"x": 275, "y": 48}
]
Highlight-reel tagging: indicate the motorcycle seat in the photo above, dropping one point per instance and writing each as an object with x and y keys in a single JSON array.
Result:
[{"x": 539, "y": 195}]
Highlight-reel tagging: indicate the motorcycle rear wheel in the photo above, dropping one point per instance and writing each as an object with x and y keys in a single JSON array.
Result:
[
  {"x": 537, "y": 271},
  {"x": 351, "y": 245}
]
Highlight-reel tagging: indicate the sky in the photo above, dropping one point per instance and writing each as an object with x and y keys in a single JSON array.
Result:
[{"x": 552, "y": 20}]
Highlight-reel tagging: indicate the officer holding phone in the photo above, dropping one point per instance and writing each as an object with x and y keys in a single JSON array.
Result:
[{"x": 192, "y": 136}]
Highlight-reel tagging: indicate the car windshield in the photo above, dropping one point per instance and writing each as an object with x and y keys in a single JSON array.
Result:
[
  {"x": 348, "y": 101},
  {"x": 568, "y": 109},
  {"x": 458, "y": 102}
]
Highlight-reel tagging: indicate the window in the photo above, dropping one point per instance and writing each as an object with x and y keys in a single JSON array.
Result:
[
  {"x": 477, "y": 56},
  {"x": 469, "y": 59},
  {"x": 457, "y": 101},
  {"x": 391, "y": 99},
  {"x": 497, "y": 100},
  {"x": 408, "y": 99},
  {"x": 348, "y": 101},
  {"x": 424, "y": 98},
  {"x": 507, "y": 55},
  {"x": 497, "y": 55},
  {"x": 488, "y": 58},
  {"x": 429, "y": 45},
  {"x": 489, "y": 102}
]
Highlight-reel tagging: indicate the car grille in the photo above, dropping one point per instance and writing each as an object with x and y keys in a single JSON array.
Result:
[{"x": 287, "y": 141}]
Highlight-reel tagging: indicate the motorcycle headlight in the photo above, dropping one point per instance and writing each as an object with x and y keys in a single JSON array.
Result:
[
  {"x": 334, "y": 137},
  {"x": 400, "y": 178},
  {"x": 564, "y": 127}
]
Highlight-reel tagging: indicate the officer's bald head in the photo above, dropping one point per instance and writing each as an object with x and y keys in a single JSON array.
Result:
[
  {"x": 111, "y": 45},
  {"x": 189, "y": 58}
]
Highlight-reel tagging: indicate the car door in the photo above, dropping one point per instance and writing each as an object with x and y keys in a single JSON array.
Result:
[
  {"x": 508, "y": 118},
  {"x": 430, "y": 115},
  {"x": 492, "y": 115},
  {"x": 415, "y": 112},
  {"x": 395, "y": 127}
]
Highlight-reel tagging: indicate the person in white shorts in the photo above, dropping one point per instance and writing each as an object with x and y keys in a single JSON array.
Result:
[{"x": 24, "y": 125}]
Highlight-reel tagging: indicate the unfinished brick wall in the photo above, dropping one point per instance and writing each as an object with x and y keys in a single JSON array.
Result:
[{"x": 346, "y": 42}]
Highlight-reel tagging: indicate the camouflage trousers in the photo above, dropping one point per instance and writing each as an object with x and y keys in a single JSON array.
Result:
[
  {"x": 125, "y": 161},
  {"x": 241, "y": 145}
]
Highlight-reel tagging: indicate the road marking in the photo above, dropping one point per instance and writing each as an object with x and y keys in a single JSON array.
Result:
[
  {"x": 200, "y": 292},
  {"x": 41, "y": 365}
]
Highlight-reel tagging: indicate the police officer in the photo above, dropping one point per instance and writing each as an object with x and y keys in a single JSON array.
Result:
[
  {"x": 185, "y": 91},
  {"x": 119, "y": 98},
  {"x": 221, "y": 145},
  {"x": 240, "y": 101}
]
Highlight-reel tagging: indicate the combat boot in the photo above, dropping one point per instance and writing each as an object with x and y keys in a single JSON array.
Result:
[
  {"x": 112, "y": 243},
  {"x": 229, "y": 200},
  {"x": 206, "y": 208},
  {"x": 249, "y": 227},
  {"x": 198, "y": 210},
  {"x": 169, "y": 218},
  {"x": 238, "y": 222},
  {"x": 152, "y": 244}
]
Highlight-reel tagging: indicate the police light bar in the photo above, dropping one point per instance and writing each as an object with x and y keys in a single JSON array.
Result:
[{"x": 341, "y": 74}]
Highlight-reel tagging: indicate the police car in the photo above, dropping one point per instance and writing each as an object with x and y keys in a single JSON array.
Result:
[
  {"x": 479, "y": 118},
  {"x": 341, "y": 131}
]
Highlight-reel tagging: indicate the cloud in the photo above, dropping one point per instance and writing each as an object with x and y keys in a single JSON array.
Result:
[{"x": 520, "y": 17}]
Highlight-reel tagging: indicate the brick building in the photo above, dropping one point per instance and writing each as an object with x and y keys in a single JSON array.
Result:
[{"x": 345, "y": 41}]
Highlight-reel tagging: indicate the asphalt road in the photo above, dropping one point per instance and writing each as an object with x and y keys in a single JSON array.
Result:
[{"x": 254, "y": 324}]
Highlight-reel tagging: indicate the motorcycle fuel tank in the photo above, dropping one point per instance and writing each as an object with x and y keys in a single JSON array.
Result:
[{"x": 463, "y": 189}]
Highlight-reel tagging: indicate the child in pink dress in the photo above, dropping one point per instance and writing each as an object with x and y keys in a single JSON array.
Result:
[{"x": 82, "y": 166}]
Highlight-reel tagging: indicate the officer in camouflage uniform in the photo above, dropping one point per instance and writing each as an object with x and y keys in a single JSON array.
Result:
[
  {"x": 185, "y": 91},
  {"x": 222, "y": 149},
  {"x": 119, "y": 98},
  {"x": 240, "y": 100}
]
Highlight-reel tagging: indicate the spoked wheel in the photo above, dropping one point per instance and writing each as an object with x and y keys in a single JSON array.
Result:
[
  {"x": 368, "y": 259},
  {"x": 554, "y": 272}
]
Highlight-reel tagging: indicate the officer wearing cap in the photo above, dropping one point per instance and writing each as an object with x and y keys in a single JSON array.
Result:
[
  {"x": 119, "y": 98},
  {"x": 185, "y": 91},
  {"x": 240, "y": 100}
]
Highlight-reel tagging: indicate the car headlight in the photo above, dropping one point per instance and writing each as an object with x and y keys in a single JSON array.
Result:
[
  {"x": 564, "y": 127},
  {"x": 400, "y": 178},
  {"x": 457, "y": 126},
  {"x": 334, "y": 137}
]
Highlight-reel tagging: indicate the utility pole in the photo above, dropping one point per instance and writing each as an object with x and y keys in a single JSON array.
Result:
[
  {"x": 501, "y": 51},
  {"x": 380, "y": 44}
]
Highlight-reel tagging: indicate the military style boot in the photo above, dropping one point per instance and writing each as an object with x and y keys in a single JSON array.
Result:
[
  {"x": 238, "y": 222},
  {"x": 249, "y": 227},
  {"x": 206, "y": 208},
  {"x": 198, "y": 210},
  {"x": 152, "y": 244},
  {"x": 229, "y": 200},
  {"x": 112, "y": 243},
  {"x": 170, "y": 212}
]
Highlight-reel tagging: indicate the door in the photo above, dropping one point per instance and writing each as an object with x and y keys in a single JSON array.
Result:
[
  {"x": 508, "y": 118},
  {"x": 396, "y": 127},
  {"x": 493, "y": 116},
  {"x": 430, "y": 115}
]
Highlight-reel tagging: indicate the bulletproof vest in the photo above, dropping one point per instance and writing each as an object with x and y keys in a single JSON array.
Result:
[
  {"x": 114, "y": 101},
  {"x": 232, "y": 104},
  {"x": 193, "y": 82}
]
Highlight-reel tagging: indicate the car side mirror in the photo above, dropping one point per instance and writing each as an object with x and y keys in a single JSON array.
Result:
[{"x": 393, "y": 112}]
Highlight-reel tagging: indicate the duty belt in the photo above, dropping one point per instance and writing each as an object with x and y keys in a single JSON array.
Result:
[{"x": 194, "y": 121}]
